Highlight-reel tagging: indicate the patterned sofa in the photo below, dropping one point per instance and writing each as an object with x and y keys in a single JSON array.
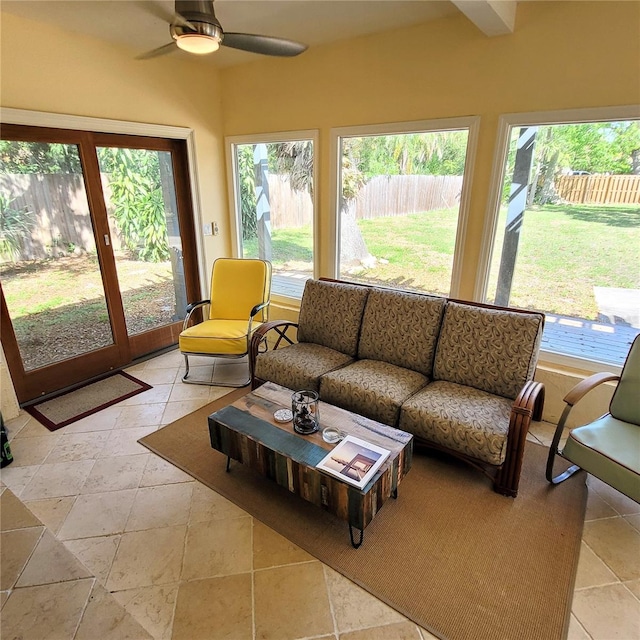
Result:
[{"x": 457, "y": 375}]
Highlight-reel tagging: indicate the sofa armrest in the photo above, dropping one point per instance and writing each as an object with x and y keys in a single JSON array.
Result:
[
  {"x": 527, "y": 406},
  {"x": 277, "y": 331}
]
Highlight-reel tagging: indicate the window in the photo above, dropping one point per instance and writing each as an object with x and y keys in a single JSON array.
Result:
[
  {"x": 567, "y": 232},
  {"x": 273, "y": 196},
  {"x": 401, "y": 203}
]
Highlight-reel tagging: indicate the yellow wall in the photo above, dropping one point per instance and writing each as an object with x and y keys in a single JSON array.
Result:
[
  {"x": 46, "y": 69},
  {"x": 562, "y": 55}
]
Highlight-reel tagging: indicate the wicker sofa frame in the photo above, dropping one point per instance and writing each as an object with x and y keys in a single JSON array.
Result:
[{"x": 527, "y": 405}]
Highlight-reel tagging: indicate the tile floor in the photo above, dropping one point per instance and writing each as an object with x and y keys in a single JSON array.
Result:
[{"x": 103, "y": 539}]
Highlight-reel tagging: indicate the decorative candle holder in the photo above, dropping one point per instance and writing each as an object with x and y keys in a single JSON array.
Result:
[{"x": 304, "y": 405}]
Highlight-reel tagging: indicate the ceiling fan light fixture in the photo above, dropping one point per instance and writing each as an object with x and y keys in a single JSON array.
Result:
[{"x": 198, "y": 43}]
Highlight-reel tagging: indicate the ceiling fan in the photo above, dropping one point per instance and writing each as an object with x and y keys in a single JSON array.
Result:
[{"x": 195, "y": 29}]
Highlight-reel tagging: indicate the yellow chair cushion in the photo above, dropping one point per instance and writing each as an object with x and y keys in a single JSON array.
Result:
[
  {"x": 237, "y": 285},
  {"x": 216, "y": 337}
]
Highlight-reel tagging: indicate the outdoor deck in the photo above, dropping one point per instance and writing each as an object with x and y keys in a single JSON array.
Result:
[{"x": 587, "y": 339}]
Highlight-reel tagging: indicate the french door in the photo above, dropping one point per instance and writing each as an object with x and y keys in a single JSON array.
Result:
[{"x": 97, "y": 252}]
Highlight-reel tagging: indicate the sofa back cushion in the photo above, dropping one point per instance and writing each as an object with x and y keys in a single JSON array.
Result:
[
  {"x": 330, "y": 315},
  {"x": 490, "y": 349},
  {"x": 401, "y": 328}
]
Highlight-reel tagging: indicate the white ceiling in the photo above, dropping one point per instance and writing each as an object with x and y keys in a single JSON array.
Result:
[{"x": 139, "y": 24}]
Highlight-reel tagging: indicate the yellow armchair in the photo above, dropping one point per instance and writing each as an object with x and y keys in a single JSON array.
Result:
[{"x": 239, "y": 304}]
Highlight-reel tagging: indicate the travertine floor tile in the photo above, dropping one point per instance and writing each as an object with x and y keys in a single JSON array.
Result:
[
  {"x": 207, "y": 505},
  {"x": 355, "y": 608},
  {"x": 107, "y": 619},
  {"x": 51, "y": 562},
  {"x": 270, "y": 549},
  {"x": 116, "y": 474},
  {"x": 98, "y": 514},
  {"x": 96, "y": 554},
  {"x": 176, "y": 410},
  {"x": 576, "y": 630},
  {"x": 634, "y": 587},
  {"x": 104, "y": 420},
  {"x": 159, "y": 472},
  {"x": 298, "y": 588},
  {"x": 622, "y": 504},
  {"x": 52, "y": 512},
  {"x": 597, "y": 508},
  {"x": 57, "y": 480},
  {"x": 163, "y": 506},
  {"x": 47, "y": 611},
  {"x": 617, "y": 543},
  {"x": 158, "y": 393},
  {"x": 146, "y": 558},
  {"x": 398, "y": 631},
  {"x": 31, "y": 451},
  {"x": 32, "y": 428},
  {"x": 17, "y": 478},
  {"x": 13, "y": 513},
  {"x": 592, "y": 572},
  {"x": 182, "y": 392},
  {"x": 78, "y": 446},
  {"x": 220, "y": 606},
  {"x": 143, "y": 415},
  {"x": 634, "y": 521},
  {"x": 608, "y": 612},
  {"x": 156, "y": 376},
  {"x": 16, "y": 548},
  {"x": 218, "y": 548},
  {"x": 124, "y": 442},
  {"x": 4, "y": 596},
  {"x": 152, "y": 607}
]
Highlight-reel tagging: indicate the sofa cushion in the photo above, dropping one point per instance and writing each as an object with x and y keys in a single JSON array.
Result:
[
  {"x": 371, "y": 388},
  {"x": 299, "y": 366},
  {"x": 330, "y": 315},
  {"x": 494, "y": 350},
  {"x": 401, "y": 328},
  {"x": 460, "y": 418}
]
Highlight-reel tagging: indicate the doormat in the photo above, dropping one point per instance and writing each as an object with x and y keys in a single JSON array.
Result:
[
  {"x": 450, "y": 554},
  {"x": 71, "y": 406}
]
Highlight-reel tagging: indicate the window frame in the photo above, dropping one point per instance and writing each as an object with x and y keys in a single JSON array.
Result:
[
  {"x": 471, "y": 123},
  {"x": 506, "y": 123},
  {"x": 231, "y": 142}
]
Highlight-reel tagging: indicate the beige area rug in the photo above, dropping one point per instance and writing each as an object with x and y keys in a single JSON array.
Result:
[
  {"x": 449, "y": 553},
  {"x": 55, "y": 413}
]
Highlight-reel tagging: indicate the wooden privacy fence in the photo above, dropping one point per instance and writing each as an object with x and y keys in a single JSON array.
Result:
[
  {"x": 399, "y": 195},
  {"x": 61, "y": 219},
  {"x": 599, "y": 189},
  {"x": 56, "y": 211},
  {"x": 382, "y": 196}
]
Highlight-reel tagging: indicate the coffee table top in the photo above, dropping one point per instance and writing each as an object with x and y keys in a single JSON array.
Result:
[{"x": 249, "y": 413}]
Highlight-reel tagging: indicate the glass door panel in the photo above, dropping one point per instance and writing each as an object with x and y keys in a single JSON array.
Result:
[
  {"x": 140, "y": 197},
  {"x": 49, "y": 266}
]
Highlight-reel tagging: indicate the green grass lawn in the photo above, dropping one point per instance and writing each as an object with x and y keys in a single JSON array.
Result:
[{"x": 564, "y": 251}]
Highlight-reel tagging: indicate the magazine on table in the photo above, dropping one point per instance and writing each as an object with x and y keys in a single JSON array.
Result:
[{"x": 354, "y": 461}]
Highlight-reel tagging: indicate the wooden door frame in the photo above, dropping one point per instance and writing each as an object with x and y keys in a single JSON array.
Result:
[{"x": 40, "y": 381}]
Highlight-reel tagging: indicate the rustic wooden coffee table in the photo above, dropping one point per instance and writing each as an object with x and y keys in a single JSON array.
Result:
[{"x": 246, "y": 431}]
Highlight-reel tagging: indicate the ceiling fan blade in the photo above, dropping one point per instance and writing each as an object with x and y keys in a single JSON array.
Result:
[
  {"x": 266, "y": 45},
  {"x": 170, "y": 17},
  {"x": 160, "y": 51}
]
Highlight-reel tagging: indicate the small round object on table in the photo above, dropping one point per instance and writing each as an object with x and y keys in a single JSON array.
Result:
[
  {"x": 283, "y": 415},
  {"x": 332, "y": 435}
]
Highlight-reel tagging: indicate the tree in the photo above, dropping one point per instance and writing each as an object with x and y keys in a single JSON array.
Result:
[
  {"x": 595, "y": 147},
  {"x": 138, "y": 201}
]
